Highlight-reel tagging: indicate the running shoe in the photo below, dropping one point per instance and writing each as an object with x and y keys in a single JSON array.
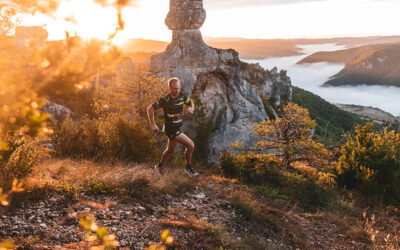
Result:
[
  {"x": 159, "y": 168},
  {"x": 191, "y": 172}
]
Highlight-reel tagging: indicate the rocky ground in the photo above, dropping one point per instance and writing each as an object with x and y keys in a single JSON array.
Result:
[{"x": 204, "y": 218}]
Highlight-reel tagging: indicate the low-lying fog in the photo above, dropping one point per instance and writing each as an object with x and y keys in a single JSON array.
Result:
[{"x": 311, "y": 76}]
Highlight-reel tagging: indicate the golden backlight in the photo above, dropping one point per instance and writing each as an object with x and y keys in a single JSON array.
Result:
[
  {"x": 91, "y": 20},
  {"x": 300, "y": 19}
]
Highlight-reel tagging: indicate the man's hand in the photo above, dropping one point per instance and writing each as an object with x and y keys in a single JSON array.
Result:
[
  {"x": 155, "y": 128},
  {"x": 190, "y": 110}
]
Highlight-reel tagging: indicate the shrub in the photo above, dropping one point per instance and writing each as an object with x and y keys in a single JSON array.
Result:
[
  {"x": 244, "y": 203},
  {"x": 20, "y": 158},
  {"x": 300, "y": 187},
  {"x": 106, "y": 138},
  {"x": 76, "y": 139},
  {"x": 250, "y": 168},
  {"x": 264, "y": 170},
  {"x": 370, "y": 163},
  {"x": 118, "y": 129}
]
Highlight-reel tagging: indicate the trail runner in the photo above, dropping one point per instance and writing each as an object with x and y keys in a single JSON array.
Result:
[{"x": 173, "y": 105}]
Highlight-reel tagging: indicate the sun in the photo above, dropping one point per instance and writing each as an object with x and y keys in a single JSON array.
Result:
[
  {"x": 90, "y": 20},
  {"x": 83, "y": 18}
]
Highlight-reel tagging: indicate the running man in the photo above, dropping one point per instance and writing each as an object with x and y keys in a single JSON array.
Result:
[{"x": 172, "y": 104}]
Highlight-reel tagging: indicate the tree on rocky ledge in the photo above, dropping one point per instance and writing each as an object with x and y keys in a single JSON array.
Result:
[{"x": 290, "y": 137}]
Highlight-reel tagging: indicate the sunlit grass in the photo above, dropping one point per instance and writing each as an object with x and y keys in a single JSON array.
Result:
[{"x": 102, "y": 178}]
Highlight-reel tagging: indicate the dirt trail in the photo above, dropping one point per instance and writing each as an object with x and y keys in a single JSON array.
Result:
[{"x": 204, "y": 218}]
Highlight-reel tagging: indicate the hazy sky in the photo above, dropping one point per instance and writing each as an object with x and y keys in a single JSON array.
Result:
[{"x": 235, "y": 18}]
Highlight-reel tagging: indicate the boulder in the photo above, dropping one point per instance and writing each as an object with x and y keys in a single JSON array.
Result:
[{"x": 56, "y": 111}]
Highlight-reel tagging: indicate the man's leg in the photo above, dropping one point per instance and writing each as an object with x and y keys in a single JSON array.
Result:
[
  {"x": 189, "y": 145},
  {"x": 182, "y": 138},
  {"x": 169, "y": 150}
]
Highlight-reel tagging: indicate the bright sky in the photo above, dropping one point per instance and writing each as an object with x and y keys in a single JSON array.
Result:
[{"x": 233, "y": 18}]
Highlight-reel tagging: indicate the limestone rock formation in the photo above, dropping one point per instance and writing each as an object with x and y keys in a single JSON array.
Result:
[
  {"x": 185, "y": 14},
  {"x": 231, "y": 92}
]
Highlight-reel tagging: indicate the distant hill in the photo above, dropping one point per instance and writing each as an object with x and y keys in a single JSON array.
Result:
[
  {"x": 332, "y": 122},
  {"x": 248, "y": 48},
  {"x": 256, "y": 48},
  {"x": 338, "y": 56},
  {"x": 375, "y": 65},
  {"x": 259, "y": 48},
  {"x": 351, "y": 41},
  {"x": 144, "y": 45}
]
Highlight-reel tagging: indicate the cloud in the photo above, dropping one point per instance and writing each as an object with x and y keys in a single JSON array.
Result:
[{"x": 227, "y": 4}]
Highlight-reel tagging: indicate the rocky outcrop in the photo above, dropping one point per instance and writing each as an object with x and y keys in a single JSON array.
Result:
[
  {"x": 185, "y": 15},
  {"x": 232, "y": 93}
]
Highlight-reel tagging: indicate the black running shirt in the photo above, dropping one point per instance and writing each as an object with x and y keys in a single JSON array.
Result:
[{"x": 173, "y": 108}]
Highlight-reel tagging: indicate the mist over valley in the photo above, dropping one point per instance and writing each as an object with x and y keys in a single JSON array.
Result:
[{"x": 312, "y": 76}]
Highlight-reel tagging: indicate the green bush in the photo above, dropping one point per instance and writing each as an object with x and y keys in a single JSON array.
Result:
[
  {"x": 97, "y": 187},
  {"x": 264, "y": 170},
  {"x": 244, "y": 204},
  {"x": 370, "y": 163},
  {"x": 105, "y": 138},
  {"x": 249, "y": 168},
  {"x": 300, "y": 187}
]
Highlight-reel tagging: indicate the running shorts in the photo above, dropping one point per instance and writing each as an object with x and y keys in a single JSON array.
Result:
[{"x": 172, "y": 131}]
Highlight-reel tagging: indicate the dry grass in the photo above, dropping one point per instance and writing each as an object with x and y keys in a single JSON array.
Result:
[
  {"x": 382, "y": 228},
  {"x": 223, "y": 179},
  {"x": 378, "y": 229},
  {"x": 283, "y": 225},
  {"x": 81, "y": 176}
]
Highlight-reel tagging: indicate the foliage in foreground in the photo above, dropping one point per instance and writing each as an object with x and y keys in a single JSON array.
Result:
[
  {"x": 167, "y": 242},
  {"x": 98, "y": 236},
  {"x": 370, "y": 163},
  {"x": 16, "y": 187}
]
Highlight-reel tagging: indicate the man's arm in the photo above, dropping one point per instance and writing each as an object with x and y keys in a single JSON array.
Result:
[
  {"x": 150, "y": 116},
  {"x": 190, "y": 109}
]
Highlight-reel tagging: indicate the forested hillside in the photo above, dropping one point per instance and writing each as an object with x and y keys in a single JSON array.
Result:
[{"x": 332, "y": 122}]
